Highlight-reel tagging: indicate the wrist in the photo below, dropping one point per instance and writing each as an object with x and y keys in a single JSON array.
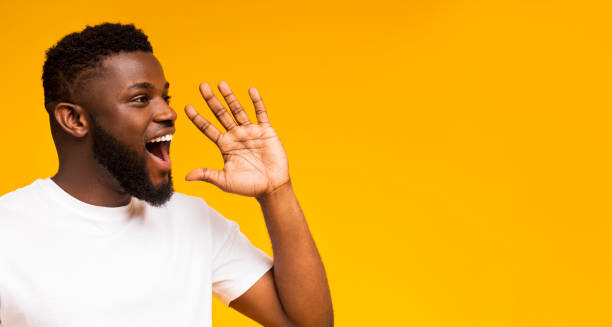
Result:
[{"x": 278, "y": 192}]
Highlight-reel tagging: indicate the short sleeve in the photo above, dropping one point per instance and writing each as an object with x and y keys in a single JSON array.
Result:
[{"x": 236, "y": 263}]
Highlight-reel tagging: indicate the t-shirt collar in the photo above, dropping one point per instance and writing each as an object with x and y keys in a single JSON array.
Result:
[{"x": 89, "y": 210}]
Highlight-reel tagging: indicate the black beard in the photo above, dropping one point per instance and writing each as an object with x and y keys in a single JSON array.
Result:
[{"x": 128, "y": 168}]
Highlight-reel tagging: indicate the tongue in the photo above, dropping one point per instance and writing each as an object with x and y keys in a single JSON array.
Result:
[
  {"x": 158, "y": 150},
  {"x": 164, "y": 152}
]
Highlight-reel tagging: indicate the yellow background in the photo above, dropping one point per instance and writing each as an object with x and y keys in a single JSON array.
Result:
[{"x": 452, "y": 157}]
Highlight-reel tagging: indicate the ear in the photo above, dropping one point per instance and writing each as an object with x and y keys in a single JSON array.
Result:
[{"x": 72, "y": 118}]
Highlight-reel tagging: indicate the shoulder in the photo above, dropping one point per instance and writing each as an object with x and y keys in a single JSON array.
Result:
[
  {"x": 22, "y": 198},
  {"x": 187, "y": 205},
  {"x": 193, "y": 215},
  {"x": 19, "y": 210},
  {"x": 184, "y": 202},
  {"x": 185, "y": 210}
]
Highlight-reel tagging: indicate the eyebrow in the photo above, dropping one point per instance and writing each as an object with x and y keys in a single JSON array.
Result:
[{"x": 146, "y": 85}]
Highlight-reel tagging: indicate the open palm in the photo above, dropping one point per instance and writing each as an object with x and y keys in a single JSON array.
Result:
[{"x": 255, "y": 162}]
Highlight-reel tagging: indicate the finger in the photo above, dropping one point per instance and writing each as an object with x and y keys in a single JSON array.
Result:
[
  {"x": 234, "y": 105},
  {"x": 213, "y": 176},
  {"x": 260, "y": 110},
  {"x": 204, "y": 125},
  {"x": 217, "y": 107}
]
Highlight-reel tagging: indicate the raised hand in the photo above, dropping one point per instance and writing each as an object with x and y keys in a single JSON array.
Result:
[{"x": 255, "y": 162}]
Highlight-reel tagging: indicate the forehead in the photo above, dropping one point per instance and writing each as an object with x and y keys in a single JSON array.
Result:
[{"x": 122, "y": 70}]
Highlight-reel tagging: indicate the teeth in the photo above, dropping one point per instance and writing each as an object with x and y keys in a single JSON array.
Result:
[{"x": 164, "y": 138}]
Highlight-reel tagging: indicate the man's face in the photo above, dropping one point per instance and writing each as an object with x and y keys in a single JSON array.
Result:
[{"x": 130, "y": 117}]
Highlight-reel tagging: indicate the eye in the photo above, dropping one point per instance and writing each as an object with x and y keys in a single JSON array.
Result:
[
  {"x": 140, "y": 99},
  {"x": 167, "y": 98}
]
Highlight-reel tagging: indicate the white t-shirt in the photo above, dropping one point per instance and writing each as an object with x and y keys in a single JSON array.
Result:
[{"x": 66, "y": 263}]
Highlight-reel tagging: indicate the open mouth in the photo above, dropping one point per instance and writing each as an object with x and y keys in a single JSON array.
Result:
[{"x": 160, "y": 147}]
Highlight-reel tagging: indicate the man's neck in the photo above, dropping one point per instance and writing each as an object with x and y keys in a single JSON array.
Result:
[{"x": 94, "y": 186}]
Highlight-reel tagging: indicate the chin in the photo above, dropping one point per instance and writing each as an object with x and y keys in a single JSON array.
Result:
[
  {"x": 159, "y": 181},
  {"x": 155, "y": 192}
]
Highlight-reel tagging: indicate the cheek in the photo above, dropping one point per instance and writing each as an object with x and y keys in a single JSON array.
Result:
[
  {"x": 127, "y": 124},
  {"x": 131, "y": 133},
  {"x": 133, "y": 141}
]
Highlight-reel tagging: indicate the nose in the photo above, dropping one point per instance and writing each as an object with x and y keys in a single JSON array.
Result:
[{"x": 165, "y": 114}]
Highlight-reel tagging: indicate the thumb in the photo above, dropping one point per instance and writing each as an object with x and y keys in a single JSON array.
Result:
[{"x": 213, "y": 176}]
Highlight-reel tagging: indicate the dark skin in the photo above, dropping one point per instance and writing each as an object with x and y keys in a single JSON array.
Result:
[{"x": 129, "y": 100}]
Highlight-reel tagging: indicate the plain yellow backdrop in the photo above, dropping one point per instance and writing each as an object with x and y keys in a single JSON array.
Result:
[{"x": 452, "y": 157}]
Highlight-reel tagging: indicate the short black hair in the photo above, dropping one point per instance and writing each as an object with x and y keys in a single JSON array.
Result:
[{"x": 79, "y": 52}]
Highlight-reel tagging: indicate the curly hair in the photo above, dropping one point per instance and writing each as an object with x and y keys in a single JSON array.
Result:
[{"x": 78, "y": 56}]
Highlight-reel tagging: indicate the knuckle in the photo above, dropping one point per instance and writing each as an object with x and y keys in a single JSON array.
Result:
[
  {"x": 220, "y": 113},
  {"x": 208, "y": 96}
]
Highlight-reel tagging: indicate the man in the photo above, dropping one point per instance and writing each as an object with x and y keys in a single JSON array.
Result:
[{"x": 106, "y": 241}]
